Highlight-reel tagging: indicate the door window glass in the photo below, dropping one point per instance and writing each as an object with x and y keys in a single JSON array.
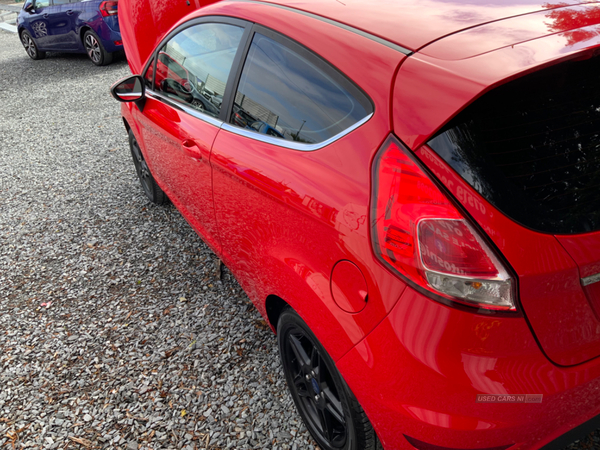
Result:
[
  {"x": 41, "y": 4},
  {"x": 294, "y": 95},
  {"x": 194, "y": 65}
]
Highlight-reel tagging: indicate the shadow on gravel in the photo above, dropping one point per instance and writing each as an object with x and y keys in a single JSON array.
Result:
[{"x": 58, "y": 67}]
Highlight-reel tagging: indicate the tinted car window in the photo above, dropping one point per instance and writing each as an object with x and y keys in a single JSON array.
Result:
[
  {"x": 194, "y": 65},
  {"x": 532, "y": 148},
  {"x": 41, "y": 3},
  {"x": 293, "y": 95}
]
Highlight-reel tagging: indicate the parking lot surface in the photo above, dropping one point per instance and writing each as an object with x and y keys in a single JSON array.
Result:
[{"x": 116, "y": 328}]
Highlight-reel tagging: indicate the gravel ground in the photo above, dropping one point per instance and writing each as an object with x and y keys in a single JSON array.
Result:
[{"x": 116, "y": 330}]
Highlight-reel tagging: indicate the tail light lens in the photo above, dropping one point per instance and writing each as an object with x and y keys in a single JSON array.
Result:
[
  {"x": 419, "y": 234},
  {"x": 109, "y": 8}
]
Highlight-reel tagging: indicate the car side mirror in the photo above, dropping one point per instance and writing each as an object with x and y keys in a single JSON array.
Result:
[
  {"x": 28, "y": 7},
  {"x": 130, "y": 89}
]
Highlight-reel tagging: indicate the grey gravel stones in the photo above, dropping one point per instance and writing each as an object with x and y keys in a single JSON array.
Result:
[{"x": 115, "y": 330}]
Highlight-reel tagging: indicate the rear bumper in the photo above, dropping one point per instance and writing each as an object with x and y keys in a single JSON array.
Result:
[
  {"x": 419, "y": 374},
  {"x": 109, "y": 36}
]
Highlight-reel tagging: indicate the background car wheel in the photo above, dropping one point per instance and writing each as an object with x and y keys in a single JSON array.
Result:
[
  {"x": 31, "y": 47},
  {"x": 95, "y": 49},
  {"x": 154, "y": 193},
  {"x": 330, "y": 411}
]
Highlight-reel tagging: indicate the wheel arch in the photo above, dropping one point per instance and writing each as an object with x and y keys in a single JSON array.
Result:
[
  {"x": 274, "y": 306},
  {"x": 82, "y": 31},
  {"x": 126, "y": 124},
  {"x": 22, "y": 28}
]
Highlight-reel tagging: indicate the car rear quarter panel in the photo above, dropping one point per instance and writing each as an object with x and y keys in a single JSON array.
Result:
[
  {"x": 106, "y": 28},
  {"x": 286, "y": 216}
]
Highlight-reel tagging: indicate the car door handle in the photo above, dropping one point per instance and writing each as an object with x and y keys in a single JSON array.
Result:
[
  {"x": 45, "y": 15},
  {"x": 69, "y": 12},
  {"x": 190, "y": 148}
]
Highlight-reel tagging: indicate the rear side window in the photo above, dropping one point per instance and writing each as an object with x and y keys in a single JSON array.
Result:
[
  {"x": 288, "y": 93},
  {"x": 532, "y": 148}
]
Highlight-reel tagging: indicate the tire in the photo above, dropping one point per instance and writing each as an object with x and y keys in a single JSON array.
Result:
[
  {"x": 330, "y": 411},
  {"x": 154, "y": 193},
  {"x": 31, "y": 47},
  {"x": 95, "y": 50}
]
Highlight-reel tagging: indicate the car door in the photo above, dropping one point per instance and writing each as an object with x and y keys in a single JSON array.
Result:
[
  {"x": 63, "y": 21},
  {"x": 180, "y": 118},
  {"x": 37, "y": 23},
  {"x": 58, "y": 26}
]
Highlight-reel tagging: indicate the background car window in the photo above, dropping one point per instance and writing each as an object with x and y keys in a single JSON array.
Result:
[
  {"x": 283, "y": 94},
  {"x": 194, "y": 65}
]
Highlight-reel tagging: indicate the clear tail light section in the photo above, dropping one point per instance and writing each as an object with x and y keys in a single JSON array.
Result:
[
  {"x": 109, "y": 8},
  {"x": 418, "y": 233}
]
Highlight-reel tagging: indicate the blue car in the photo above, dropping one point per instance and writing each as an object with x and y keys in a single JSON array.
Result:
[{"x": 89, "y": 26}]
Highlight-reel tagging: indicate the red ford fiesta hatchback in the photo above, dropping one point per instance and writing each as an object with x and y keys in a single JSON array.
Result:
[{"x": 409, "y": 192}]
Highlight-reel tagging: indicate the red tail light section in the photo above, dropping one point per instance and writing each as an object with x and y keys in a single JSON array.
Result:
[
  {"x": 109, "y": 8},
  {"x": 419, "y": 234},
  {"x": 451, "y": 246}
]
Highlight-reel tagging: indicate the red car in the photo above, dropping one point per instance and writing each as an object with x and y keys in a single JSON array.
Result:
[{"x": 421, "y": 229}]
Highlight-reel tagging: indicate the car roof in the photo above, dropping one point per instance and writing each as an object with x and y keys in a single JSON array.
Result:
[
  {"x": 413, "y": 24},
  {"x": 410, "y": 24}
]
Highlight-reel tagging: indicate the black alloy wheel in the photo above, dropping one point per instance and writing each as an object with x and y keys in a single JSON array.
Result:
[
  {"x": 95, "y": 50},
  {"x": 31, "y": 47},
  {"x": 154, "y": 193},
  {"x": 330, "y": 411}
]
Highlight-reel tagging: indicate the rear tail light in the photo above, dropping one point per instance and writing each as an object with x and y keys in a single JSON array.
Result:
[
  {"x": 419, "y": 234},
  {"x": 109, "y": 8}
]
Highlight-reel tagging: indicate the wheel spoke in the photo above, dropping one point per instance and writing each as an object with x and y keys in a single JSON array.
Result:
[
  {"x": 334, "y": 406},
  {"x": 93, "y": 48},
  {"x": 315, "y": 361},
  {"x": 326, "y": 427},
  {"x": 29, "y": 45},
  {"x": 299, "y": 351},
  {"x": 137, "y": 152}
]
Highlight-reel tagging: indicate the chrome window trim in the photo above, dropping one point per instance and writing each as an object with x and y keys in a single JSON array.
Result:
[
  {"x": 291, "y": 144},
  {"x": 253, "y": 134},
  {"x": 590, "y": 280},
  {"x": 182, "y": 107}
]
